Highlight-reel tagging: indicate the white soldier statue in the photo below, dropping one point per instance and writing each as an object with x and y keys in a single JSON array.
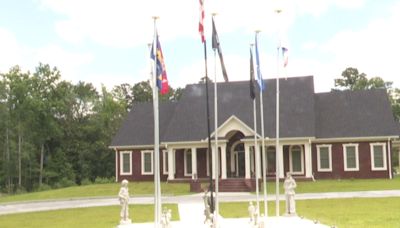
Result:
[
  {"x": 252, "y": 210},
  {"x": 123, "y": 196},
  {"x": 289, "y": 186}
]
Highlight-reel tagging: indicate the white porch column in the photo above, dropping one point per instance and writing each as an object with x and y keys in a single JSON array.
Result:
[
  {"x": 194, "y": 161},
  {"x": 280, "y": 152},
  {"x": 247, "y": 160},
  {"x": 223, "y": 161},
  {"x": 171, "y": 168},
  {"x": 308, "y": 159},
  {"x": 252, "y": 164},
  {"x": 213, "y": 161}
]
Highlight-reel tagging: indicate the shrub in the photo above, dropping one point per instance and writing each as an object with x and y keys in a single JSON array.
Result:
[
  {"x": 86, "y": 181},
  {"x": 104, "y": 180},
  {"x": 44, "y": 187}
]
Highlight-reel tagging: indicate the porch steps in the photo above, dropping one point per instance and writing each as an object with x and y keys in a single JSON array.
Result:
[{"x": 237, "y": 185}]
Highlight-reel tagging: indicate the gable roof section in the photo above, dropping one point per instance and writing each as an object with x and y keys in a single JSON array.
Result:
[
  {"x": 297, "y": 109},
  {"x": 233, "y": 123},
  {"x": 138, "y": 126},
  {"x": 362, "y": 113}
]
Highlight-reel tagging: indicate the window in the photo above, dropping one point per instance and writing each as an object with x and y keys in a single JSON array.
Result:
[
  {"x": 147, "y": 162},
  {"x": 324, "y": 158},
  {"x": 271, "y": 159},
  {"x": 125, "y": 161},
  {"x": 165, "y": 162},
  {"x": 350, "y": 157},
  {"x": 378, "y": 156},
  {"x": 296, "y": 160},
  {"x": 188, "y": 162}
]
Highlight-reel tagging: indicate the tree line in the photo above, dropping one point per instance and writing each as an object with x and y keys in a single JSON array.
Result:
[{"x": 54, "y": 133}]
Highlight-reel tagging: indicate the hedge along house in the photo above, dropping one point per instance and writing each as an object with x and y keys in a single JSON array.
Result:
[{"x": 340, "y": 134}]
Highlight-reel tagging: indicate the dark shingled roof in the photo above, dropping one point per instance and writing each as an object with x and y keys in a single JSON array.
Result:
[
  {"x": 302, "y": 113},
  {"x": 360, "y": 113},
  {"x": 138, "y": 127}
]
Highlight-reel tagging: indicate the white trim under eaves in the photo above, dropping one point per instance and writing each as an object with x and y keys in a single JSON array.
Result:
[
  {"x": 353, "y": 139},
  {"x": 130, "y": 147}
]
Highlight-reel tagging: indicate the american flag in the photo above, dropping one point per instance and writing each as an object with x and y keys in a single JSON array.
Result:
[{"x": 201, "y": 22}]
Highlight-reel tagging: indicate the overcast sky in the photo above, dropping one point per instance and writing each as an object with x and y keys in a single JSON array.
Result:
[{"x": 106, "y": 42}]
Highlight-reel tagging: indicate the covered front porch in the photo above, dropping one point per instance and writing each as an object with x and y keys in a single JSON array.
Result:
[{"x": 237, "y": 159}]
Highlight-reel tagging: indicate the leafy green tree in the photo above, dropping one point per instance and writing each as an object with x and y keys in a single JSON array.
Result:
[
  {"x": 142, "y": 92},
  {"x": 124, "y": 94},
  {"x": 18, "y": 84},
  {"x": 353, "y": 80},
  {"x": 44, "y": 83}
]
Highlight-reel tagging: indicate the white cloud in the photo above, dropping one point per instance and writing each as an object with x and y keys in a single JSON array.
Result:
[
  {"x": 67, "y": 62},
  {"x": 126, "y": 23},
  {"x": 373, "y": 50},
  {"x": 11, "y": 52},
  {"x": 15, "y": 53},
  {"x": 123, "y": 23},
  {"x": 318, "y": 7}
]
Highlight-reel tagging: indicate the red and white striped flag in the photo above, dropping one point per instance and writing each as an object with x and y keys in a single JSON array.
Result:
[{"x": 201, "y": 22}]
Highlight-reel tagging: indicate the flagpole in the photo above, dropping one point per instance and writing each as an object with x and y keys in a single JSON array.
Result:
[
  {"x": 256, "y": 153},
  {"x": 263, "y": 149},
  {"x": 216, "y": 213},
  {"x": 157, "y": 189},
  {"x": 277, "y": 146}
]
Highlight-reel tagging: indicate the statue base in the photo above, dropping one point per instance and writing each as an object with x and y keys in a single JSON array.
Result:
[
  {"x": 290, "y": 215},
  {"x": 125, "y": 222}
]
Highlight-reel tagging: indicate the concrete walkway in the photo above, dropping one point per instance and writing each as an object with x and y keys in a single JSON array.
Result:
[{"x": 21, "y": 207}]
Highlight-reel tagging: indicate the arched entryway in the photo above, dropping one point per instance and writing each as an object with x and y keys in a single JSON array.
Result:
[{"x": 235, "y": 155}]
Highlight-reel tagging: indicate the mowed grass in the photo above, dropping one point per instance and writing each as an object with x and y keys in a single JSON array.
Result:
[
  {"x": 100, "y": 190},
  {"x": 83, "y": 217},
  {"x": 343, "y": 213},
  {"x": 343, "y": 185}
]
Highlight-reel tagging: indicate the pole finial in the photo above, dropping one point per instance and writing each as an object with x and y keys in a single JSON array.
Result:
[{"x": 155, "y": 17}]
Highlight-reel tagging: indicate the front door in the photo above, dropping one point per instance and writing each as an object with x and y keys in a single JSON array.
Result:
[{"x": 239, "y": 160}]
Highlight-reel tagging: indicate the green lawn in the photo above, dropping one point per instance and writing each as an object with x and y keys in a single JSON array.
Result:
[
  {"x": 343, "y": 213},
  {"x": 83, "y": 217},
  {"x": 347, "y": 185},
  {"x": 98, "y": 190},
  {"x": 147, "y": 188}
]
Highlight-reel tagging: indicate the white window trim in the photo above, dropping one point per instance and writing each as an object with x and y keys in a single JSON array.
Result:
[
  {"x": 357, "y": 168},
  {"x": 121, "y": 163},
  {"x": 302, "y": 159},
  {"x": 329, "y": 156},
  {"x": 373, "y": 168},
  {"x": 143, "y": 152},
  {"x": 165, "y": 161},
  {"x": 186, "y": 173}
]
